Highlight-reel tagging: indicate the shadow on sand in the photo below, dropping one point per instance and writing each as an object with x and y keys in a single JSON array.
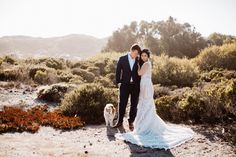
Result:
[{"x": 135, "y": 150}]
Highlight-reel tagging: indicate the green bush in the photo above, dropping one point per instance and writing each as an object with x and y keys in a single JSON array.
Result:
[
  {"x": 52, "y": 93},
  {"x": 94, "y": 70},
  {"x": 111, "y": 77},
  {"x": 54, "y": 63},
  {"x": 110, "y": 66},
  {"x": 88, "y": 102},
  {"x": 82, "y": 64},
  {"x": 167, "y": 108},
  {"x": 33, "y": 70},
  {"x": 76, "y": 80},
  {"x": 106, "y": 62},
  {"x": 1, "y": 60},
  {"x": 9, "y": 59},
  {"x": 40, "y": 77},
  {"x": 43, "y": 75},
  {"x": 9, "y": 75},
  {"x": 65, "y": 76},
  {"x": 174, "y": 71},
  {"x": 101, "y": 65},
  {"x": 160, "y": 91},
  {"x": 105, "y": 82},
  {"x": 217, "y": 75},
  {"x": 86, "y": 75},
  {"x": 211, "y": 103},
  {"x": 217, "y": 57}
]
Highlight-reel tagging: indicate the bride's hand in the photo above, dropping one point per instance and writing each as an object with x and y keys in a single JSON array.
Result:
[{"x": 138, "y": 66}]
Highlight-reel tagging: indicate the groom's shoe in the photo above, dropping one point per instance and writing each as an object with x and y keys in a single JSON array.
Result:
[
  {"x": 118, "y": 125},
  {"x": 131, "y": 126}
]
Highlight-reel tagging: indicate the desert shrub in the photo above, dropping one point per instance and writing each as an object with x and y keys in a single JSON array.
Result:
[
  {"x": 54, "y": 63},
  {"x": 17, "y": 73},
  {"x": 94, "y": 70},
  {"x": 8, "y": 75},
  {"x": 1, "y": 60},
  {"x": 82, "y": 64},
  {"x": 33, "y": 70},
  {"x": 215, "y": 102},
  {"x": 65, "y": 76},
  {"x": 17, "y": 120},
  {"x": 101, "y": 65},
  {"x": 77, "y": 80},
  {"x": 217, "y": 75},
  {"x": 69, "y": 63},
  {"x": 174, "y": 71},
  {"x": 111, "y": 77},
  {"x": 167, "y": 108},
  {"x": 9, "y": 59},
  {"x": 106, "y": 62},
  {"x": 105, "y": 82},
  {"x": 40, "y": 77},
  {"x": 43, "y": 75},
  {"x": 212, "y": 103},
  {"x": 88, "y": 102},
  {"x": 53, "y": 93},
  {"x": 86, "y": 75},
  {"x": 160, "y": 91},
  {"x": 110, "y": 66},
  {"x": 217, "y": 57}
]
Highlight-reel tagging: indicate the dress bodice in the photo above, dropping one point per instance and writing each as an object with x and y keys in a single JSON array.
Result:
[{"x": 148, "y": 71}]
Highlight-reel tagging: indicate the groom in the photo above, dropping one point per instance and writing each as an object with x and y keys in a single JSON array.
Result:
[{"x": 128, "y": 82}]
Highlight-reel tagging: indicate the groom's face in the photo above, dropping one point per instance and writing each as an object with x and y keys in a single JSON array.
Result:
[{"x": 134, "y": 54}]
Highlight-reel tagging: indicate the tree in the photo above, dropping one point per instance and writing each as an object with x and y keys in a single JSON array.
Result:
[
  {"x": 122, "y": 39},
  {"x": 180, "y": 39},
  {"x": 169, "y": 37},
  {"x": 220, "y": 39}
]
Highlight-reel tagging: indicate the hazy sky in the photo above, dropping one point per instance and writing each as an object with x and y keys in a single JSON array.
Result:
[{"x": 99, "y": 18}]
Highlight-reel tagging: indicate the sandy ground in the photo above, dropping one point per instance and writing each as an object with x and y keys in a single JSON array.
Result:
[
  {"x": 99, "y": 141},
  {"x": 96, "y": 140},
  {"x": 24, "y": 97}
]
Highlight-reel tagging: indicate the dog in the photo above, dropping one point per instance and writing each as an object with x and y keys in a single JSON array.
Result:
[{"x": 109, "y": 114}]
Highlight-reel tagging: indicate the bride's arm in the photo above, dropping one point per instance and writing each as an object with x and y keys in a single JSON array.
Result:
[{"x": 143, "y": 69}]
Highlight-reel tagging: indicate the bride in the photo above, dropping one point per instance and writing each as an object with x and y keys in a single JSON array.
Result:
[{"x": 149, "y": 129}]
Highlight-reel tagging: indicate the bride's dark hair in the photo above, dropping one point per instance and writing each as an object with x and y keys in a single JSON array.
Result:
[{"x": 147, "y": 51}]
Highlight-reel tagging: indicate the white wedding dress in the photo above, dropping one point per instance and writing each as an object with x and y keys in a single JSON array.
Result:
[{"x": 149, "y": 129}]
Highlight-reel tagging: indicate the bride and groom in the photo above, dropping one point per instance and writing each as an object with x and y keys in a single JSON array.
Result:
[{"x": 134, "y": 78}]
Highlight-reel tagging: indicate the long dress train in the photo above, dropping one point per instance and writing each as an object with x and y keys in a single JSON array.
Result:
[{"x": 149, "y": 129}]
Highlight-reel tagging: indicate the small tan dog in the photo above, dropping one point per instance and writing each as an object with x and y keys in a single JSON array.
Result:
[{"x": 109, "y": 114}]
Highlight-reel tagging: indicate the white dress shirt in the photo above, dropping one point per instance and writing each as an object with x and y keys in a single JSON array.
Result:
[{"x": 131, "y": 64}]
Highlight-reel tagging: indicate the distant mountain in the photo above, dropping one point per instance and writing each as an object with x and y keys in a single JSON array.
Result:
[{"x": 70, "y": 46}]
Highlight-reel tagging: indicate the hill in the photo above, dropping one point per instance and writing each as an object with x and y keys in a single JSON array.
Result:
[{"x": 69, "y": 46}]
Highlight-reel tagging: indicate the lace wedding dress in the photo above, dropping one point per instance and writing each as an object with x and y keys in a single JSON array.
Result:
[{"x": 149, "y": 129}]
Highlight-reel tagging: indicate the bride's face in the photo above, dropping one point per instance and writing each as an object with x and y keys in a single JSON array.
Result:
[{"x": 144, "y": 57}]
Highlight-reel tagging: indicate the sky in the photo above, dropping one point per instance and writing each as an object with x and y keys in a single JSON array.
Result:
[{"x": 99, "y": 18}]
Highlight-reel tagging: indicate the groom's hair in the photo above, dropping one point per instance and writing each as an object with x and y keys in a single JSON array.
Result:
[{"x": 135, "y": 47}]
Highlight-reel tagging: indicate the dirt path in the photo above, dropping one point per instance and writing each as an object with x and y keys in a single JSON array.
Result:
[{"x": 98, "y": 141}]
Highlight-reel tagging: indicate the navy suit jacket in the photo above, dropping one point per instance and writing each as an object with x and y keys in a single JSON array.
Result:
[{"x": 124, "y": 72}]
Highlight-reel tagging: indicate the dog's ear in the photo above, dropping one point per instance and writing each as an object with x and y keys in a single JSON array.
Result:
[{"x": 108, "y": 110}]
